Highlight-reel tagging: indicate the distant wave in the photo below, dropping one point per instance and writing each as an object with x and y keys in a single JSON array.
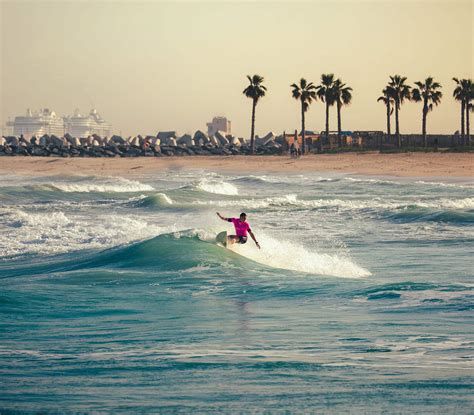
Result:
[
  {"x": 155, "y": 200},
  {"x": 374, "y": 204},
  {"x": 115, "y": 185},
  {"x": 283, "y": 180},
  {"x": 423, "y": 214},
  {"x": 402, "y": 295},
  {"x": 218, "y": 187}
]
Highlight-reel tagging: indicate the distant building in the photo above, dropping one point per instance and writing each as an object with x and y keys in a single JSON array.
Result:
[
  {"x": 219, "y": 124},
  {"x": 37, "y": 123},
  {"x": 82, "y": 126}
]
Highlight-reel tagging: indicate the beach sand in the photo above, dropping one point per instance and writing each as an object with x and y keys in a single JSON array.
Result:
[{"x": 401, "y": 164}]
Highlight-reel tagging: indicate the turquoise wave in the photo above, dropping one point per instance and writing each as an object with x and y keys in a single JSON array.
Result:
[{"x": 414, "y": 213}]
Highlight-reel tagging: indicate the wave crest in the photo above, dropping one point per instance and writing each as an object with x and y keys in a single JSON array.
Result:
[{"x": 218, "y": 187}]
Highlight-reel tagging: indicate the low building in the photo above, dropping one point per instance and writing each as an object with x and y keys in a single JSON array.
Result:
[{"x": 219, "y": 124}]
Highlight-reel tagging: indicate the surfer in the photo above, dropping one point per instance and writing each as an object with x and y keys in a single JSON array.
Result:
[{"x": 241, "y": 228}]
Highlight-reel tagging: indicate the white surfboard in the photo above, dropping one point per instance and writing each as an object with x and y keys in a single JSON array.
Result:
[{"x": 221, "y": 238}]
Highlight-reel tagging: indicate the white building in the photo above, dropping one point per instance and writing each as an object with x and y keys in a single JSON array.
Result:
[
  {"x": 37, "y": 124},
  {"x": 219, "y": 124},
  {"x": 82, "y": 126}
]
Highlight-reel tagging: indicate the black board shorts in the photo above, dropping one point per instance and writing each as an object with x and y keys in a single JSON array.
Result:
[{"x": 242, "y": 239}]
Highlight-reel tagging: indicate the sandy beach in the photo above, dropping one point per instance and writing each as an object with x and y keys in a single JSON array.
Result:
[{"x": 401, "y": 165}]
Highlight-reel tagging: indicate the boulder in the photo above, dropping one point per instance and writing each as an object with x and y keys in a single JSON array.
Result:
[
  {"x": 12, "y": 141},
  {"x": 222, "y": 138},
  {"x": 117, "y": 139},
  {"x": 69, "y": 138},
  {"x": 110, "y": 153},
  {"x": 164, "y": 136},
  {"x": 235, "y": 142},
  {"x": 44, "y": 140},
  {"x": 57, "y": 141},
  {"x": 266, "y": 140},
  {"x": 132, "y": 152},
  {"x": 135, "y": 142},
  {"x": 214, "y": 141},
  {"x": 76, "y": 142},
  {"x": 186, "y": 140},
  {"x": 24, "y": 141},
  {"x": 200, "y": 136},
  {"x": 21, "y": 151},
  {"x": 39, "y": 151}
]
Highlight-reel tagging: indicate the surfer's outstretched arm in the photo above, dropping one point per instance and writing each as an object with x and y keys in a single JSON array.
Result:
[
  {"x": 254, "y": 239},
  {"x": 222, "y": 217}
]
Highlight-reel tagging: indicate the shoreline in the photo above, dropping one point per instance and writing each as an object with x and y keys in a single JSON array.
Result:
[{"x": 423, "y": 165}]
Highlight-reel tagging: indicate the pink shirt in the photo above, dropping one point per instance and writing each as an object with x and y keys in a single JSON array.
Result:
[{"x": 241, "y": 228}]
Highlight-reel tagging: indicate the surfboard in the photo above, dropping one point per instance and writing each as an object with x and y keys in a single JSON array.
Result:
[{"x": 221, "y": 238}]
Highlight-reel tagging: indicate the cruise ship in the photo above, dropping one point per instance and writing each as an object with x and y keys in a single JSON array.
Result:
[
  {"x": 37, "y": 123},
  {"x": 82, "y": 126}
]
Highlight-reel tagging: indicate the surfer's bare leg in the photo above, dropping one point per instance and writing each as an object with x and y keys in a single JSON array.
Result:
[{"x": 232, "y": 239}]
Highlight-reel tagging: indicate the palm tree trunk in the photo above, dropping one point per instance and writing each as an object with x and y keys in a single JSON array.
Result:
[
  {"x": 252, "y": 133},
  {"x": 423, "y": 123},
  {"x": 339, "y": 138},
  {"x": 388, "y": 120},
  {"x": 397, "y": 125},
  {"x": 327, "y": 122},
  {"x": 303, "y": 132},
  {"x": 462, "y": 121},
  {"x": 468, "y": 127}
]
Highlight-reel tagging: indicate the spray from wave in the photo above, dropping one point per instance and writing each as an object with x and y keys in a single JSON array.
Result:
[{"x": 292, "y": 256}]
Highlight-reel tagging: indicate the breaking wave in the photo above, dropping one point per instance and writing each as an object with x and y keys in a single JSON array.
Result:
[{"x": 218, "y": 187}]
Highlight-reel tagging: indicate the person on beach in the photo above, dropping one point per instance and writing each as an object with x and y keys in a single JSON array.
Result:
[{"x": 241, "y": 228}]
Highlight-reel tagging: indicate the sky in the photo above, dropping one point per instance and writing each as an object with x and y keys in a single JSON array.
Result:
[{"x": 148, "y": 66}]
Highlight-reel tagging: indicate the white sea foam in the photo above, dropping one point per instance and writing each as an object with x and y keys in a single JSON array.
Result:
[
  {"x": 218, "y": 187},
  {"x": 57, "y": 232},
  {"x": 343, "y": 204},
  {"x": 292, "y": 256},
  {"x": 111, "y": 185}
]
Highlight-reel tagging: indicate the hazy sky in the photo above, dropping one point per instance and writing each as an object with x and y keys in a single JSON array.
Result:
[{"x": 149, "y": 66}]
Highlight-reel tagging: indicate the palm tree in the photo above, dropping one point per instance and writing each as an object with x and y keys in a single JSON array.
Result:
[
  {"x": 305, "y": 92},
  {"x": 399, "y": 91},
  {"x": 326, "y": 94},
  {"x": 469, "y": 107},
  {"x": 255, "y": 90},
  {"x": 428, "y": 93},
  {"x": 387, "y": 99},
  {"x": 459, "y": 94},
  {"x": 342, "y": 96}
]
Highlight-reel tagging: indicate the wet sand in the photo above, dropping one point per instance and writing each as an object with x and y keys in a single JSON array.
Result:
[{"x": 402, "y": 165}]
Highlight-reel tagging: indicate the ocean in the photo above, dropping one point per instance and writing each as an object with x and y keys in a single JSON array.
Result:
[{"x": 115, "y": 299}]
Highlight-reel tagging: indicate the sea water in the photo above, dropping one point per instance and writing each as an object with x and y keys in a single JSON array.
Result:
[{"x": 115, "y": 299}]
